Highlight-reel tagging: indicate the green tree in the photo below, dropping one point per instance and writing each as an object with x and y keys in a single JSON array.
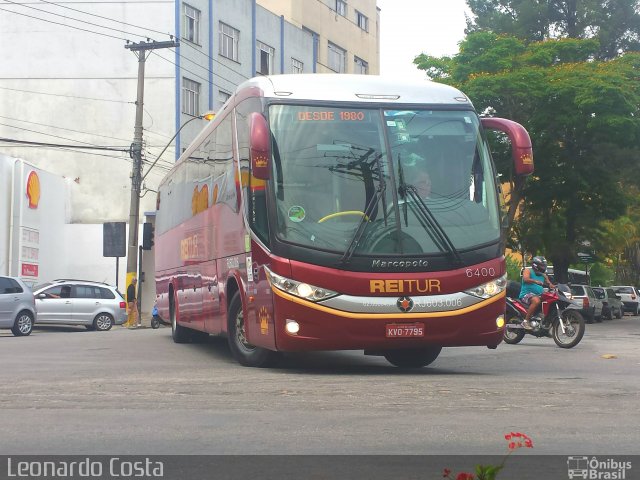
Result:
[
  {"x": 584, "y": 119},
  {"x": 615, "y": 24}
]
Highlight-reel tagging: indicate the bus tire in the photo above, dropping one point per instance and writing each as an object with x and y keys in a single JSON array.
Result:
[
  {"x": 179, "y": 334},
  {"x": 245, "y": 353},
  {"x": 413, "y": 358}
]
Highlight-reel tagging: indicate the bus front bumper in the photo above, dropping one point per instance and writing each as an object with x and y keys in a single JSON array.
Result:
[{"x": 322, "y": 328}]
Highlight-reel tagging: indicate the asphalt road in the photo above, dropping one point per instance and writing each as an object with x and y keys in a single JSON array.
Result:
[{"x": 71, "y": 391}]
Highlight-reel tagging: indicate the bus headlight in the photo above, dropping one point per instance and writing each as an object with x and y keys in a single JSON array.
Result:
[
  {"x": 299, "y": 289},
  {"x": 489, "y": 289}
]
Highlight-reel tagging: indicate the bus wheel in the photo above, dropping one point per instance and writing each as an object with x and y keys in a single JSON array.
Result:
[
  {"x": 245, "y": 353},
  {"x": 179, "y": 333},
  {"x": 413, "y": 358}
]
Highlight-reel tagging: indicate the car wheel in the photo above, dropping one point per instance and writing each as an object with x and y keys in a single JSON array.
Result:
[
  {"x": 619, "y": 313},
  {"x": 103, "y": 322},
  {"x": 588, "y": 316},
  {"x": 23, "y": 324}
]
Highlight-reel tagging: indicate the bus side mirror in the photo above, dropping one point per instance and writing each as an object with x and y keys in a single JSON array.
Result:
[
  {"x": 521, "y": 151},
  {"x": 259, "y": 146}
]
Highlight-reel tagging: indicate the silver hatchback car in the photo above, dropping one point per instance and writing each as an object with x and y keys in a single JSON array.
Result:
[
  {"x": 17, "y": 306},
  {"x": 95, "y": 305}
]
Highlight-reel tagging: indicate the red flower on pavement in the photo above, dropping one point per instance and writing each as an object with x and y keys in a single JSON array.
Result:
[
  {"x": 489, "y": 472},
  {"x": 465, "y": 476}
]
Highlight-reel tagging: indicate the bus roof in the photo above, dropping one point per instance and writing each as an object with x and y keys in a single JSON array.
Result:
[{"x": 358, "y": 88}]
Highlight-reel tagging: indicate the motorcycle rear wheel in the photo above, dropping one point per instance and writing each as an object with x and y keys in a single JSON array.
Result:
[
  {"x": 513, "y": 335},
  {"x": 574, "y": 327}
]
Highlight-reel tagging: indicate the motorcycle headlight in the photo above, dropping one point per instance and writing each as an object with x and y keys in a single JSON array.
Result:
[
  {"x": 299, "y": 289},
  {"x": 489, "y": 289}
]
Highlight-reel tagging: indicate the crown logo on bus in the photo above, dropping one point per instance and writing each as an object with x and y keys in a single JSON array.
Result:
[
  {"x": 261, "y": 162},
  {"x": 527, "y": 159}
]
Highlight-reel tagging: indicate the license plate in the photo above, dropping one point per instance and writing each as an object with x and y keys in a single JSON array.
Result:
[{"x": 404, "y": 330}]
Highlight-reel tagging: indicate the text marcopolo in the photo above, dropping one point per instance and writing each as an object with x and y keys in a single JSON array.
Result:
[{"x": 115, "y": 467}]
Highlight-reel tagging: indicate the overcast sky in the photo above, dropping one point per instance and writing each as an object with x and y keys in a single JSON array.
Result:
[{"x": 410, "y": 27}]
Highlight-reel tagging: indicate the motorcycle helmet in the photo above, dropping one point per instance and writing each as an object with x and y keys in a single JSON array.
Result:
[{"x": 539, "y": 264}]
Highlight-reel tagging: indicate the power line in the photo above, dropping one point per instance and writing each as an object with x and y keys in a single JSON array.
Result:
[
  {"x": 73, "y": 19},
  {"x": 107, "y": 18},
  {"x": 48, "y": 134},
  {"x": 61, "y": 128},
  {"x": 62, "y": 24},
  {"x": 155, "y": 31},
  {"x": 207, "y": 68},
  {"x": 148, "y": 147},
  {"x": 125, "y": 39},
  {"x": 43, "y": 144},
  {"x": 66, "y": 96},
  {"x": 182, "y": 67}
]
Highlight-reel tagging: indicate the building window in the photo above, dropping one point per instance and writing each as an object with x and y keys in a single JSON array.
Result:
[
  {"x": 223, "y": 97},
  {"x": 190, "y": 97},
  {"x": 360, "y": 66},
  {"x": 296, "y": 66},
  {"x": 265, "y": 58},
  {"x": 229, "y": 38},
  {"x": 191, "y": 24},
  {"x": 362, "y": 21},
  {"x": 341, "y": 7},
  {"x": 337, "y": 58}
]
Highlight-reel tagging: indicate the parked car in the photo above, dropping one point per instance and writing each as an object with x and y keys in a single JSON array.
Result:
[
  {"x": 95, "y": 305},
  {"x": 591, "y": 305},
  {"x": 611, "y": 303},
  {"x": 629, "y": 297},
  {"x": 17, "y": 306}
]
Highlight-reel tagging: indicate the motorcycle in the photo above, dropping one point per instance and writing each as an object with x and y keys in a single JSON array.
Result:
[
  {"x": 155, "y": 318},
  {"x": 559, "y": 318}
]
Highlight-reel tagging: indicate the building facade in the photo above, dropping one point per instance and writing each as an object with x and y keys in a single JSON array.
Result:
[
  {"x": 68, "y": 94},
  {"x": 346, "y": 32}
]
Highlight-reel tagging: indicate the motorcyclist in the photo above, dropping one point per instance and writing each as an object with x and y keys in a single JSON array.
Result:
[{"x": 533, "y": 280}]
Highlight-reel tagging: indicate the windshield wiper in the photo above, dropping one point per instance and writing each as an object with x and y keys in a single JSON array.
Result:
[
  {"x": 369, "y": 209},
  {"x": 425, "y": 216}
]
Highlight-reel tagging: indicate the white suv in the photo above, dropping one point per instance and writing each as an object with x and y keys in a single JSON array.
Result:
[
  {"x": 17, "y": 307},
  {"x": 95, "y": 305},
  {"x": 629, "y": 297}
]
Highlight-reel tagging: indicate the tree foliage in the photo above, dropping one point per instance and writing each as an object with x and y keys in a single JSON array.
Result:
[
  {"x": 584, "y": 119},
  {"x": 615, "y": 24}
]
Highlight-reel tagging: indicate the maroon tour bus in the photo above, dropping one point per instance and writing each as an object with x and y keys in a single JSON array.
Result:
[{"x": 335, "y": 212}]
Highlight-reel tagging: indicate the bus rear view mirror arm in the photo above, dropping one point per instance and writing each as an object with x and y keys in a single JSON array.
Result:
[{"x": 521, "y": 151}]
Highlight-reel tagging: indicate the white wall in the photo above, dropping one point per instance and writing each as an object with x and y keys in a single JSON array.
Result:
[
  {"x": 6, "y": 190},
  {"x": 68, "y": 86}
]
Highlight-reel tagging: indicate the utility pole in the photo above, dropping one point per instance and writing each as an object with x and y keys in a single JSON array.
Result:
[{"x": 140, "y": 50}]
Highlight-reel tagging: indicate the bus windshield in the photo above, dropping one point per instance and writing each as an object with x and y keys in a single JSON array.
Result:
[{"x": 371, "y": 181}]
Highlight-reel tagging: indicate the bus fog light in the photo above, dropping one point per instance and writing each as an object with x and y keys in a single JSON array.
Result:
[
  {"x": 500, "y": 321},
  {"x": 292, "y": 327}
]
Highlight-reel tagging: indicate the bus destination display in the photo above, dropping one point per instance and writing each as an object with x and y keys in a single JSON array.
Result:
[{"x": 332, "y": 116}]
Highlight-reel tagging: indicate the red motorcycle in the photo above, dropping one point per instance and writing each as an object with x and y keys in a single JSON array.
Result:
[{"x": 559, "y": 318}]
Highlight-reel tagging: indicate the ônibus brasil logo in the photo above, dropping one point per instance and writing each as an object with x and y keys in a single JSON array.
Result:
[{"x": 594, "y": 468}]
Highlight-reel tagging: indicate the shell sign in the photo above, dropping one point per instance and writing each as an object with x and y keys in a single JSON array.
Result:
[{"x": 33, "y": 189}]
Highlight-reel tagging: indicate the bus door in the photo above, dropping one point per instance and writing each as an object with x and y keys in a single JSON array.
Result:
[{"x": 260, "y": 327}]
